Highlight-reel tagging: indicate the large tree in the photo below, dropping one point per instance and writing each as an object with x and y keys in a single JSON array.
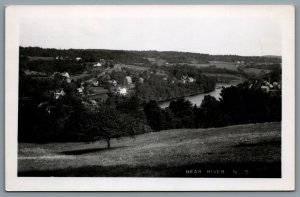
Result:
[{"x": 106, "y": 123}]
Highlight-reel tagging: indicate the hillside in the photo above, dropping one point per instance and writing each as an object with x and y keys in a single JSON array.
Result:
[
  {"x": 235, "y": 151},
  {"x": 140, "y": 57}
]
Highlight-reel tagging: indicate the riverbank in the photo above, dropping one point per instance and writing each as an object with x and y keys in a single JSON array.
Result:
[
  {"x": 179, "y": 97},
  {"x": 196, "y": 98}
]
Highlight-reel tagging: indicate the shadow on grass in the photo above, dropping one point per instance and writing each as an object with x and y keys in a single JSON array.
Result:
[
  {"x": 224, "y": 170},
  {"x": 89, "y": 150}
]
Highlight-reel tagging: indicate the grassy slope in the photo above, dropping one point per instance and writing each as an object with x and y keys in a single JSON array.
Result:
[{"x": 240, "y": 151}]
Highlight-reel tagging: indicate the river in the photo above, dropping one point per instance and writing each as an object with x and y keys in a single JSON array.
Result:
[{"x": 198, "y": 98}]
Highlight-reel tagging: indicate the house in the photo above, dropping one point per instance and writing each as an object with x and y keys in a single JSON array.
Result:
[
  {"x": 113, "y": 82},
  {"x": 191, "y": 80},
  {"x": 122, "y": 91},
  {"x": 59, "y": 93},
  {"x": 80, "y": 90},
  {"x": 183, "y": 81},
  {"x": 78, "y": 58},
  {"x": 141, "y": 80},
  {"x": 128, "y": 80},
  {"x": 69, "y": 80},
  {"x": 93, "y": 102},
  {"x": 65, "y": 74},
  {"x": 95, "y": 83},
  {"x": 265, "y": 88},
  {"x": 59, "y": 58},
  {"x": 98, "y": 64}
]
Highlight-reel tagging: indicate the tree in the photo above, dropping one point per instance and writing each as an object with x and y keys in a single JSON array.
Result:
[
  {"x": 106, "y": 123},
  {"x": 210, "y": 112},
  {"x": 157, "y": 118},
  {"x": 182, "y": 110}
]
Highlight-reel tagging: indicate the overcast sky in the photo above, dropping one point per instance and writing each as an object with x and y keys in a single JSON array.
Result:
[{"x": 228, "y": 35}]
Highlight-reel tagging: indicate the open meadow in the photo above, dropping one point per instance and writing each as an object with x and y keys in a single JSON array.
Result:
[{"x": 235, "y": 151}]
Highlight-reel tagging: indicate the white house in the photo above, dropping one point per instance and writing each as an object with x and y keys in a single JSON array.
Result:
[
  {"x": 78, "y": 58},
  {"x": 141, "y": 80},
  {"x": 122, "y": 91},
  {"x": 128, "y": 80},
  {"x": 113, "y": 82},
  {"x": 80, "y": 90},
  {"x": 59, "y": 57},
  {"x": 94, "y": 102},
  {"x": 65, "y": 74},
  {"x": 265, "y": 88},
  {"x": 59, "y": 93},
  {"x": 98, "y": 64},
  {"x": 191, "y": 80},
  {"x": 95, "y": 83}
]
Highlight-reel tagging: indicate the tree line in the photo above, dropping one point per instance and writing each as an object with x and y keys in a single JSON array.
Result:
[
  {"x": 238, "y": 105},
  {"x": 141, "y": 56},
  {"x": 43, "y": 118}
]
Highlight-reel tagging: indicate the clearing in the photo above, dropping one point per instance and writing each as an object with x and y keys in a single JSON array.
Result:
[{"x": 252, "y": 150}]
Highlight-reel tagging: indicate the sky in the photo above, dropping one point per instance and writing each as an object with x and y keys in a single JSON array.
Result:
[{"x": 213, "y": 35}]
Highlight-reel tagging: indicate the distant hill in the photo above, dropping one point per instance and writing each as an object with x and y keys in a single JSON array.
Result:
[
  {"x": 143, "y": 57},
  {"x": 272, "y": 56}
]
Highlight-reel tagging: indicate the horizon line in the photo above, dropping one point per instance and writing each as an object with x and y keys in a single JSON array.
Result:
[{"x": 200, "y": 53}]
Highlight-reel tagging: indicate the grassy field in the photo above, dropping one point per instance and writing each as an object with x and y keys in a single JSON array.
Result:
[
  {"x": 235, "y": 151},
  {"x": 226, "y": 78},
  {"x": 133, "y": 67},
  {"x": 33, "y": 58},
  {"x": 216, "y": 64},
  {"x": 256, "y": 71}
]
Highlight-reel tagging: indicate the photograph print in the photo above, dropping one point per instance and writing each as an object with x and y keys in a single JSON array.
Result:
[{"x": 152, "y": 91}]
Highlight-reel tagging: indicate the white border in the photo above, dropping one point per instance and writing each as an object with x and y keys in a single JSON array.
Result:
[{"x": 283, "y": 13}]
